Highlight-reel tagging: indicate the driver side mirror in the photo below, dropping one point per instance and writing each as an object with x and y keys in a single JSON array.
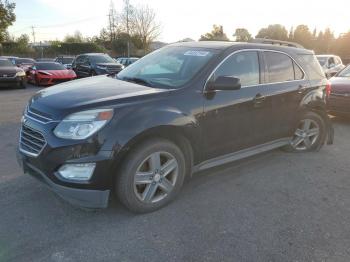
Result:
[{"x": 224, "y": 83}]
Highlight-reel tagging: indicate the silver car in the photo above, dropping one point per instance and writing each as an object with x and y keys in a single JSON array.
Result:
[{"x": 331, "y": 64}]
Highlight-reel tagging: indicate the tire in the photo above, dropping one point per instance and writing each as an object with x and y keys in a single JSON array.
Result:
[
  {"x": 310, "y": 134},
  {"x": 36, "y": 81},
  {"x": 22, "y": 84},
  {"x": 157, "y": 186}
]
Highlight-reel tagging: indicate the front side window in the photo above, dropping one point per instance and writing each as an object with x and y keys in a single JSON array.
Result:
[
  {"x": 242, "y": 65},
  {"x": 279, "y": 67}
]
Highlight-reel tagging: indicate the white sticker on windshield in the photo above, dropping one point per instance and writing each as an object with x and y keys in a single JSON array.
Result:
[{"x": 196, "y": 53}]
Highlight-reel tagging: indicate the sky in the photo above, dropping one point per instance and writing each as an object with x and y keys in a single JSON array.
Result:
[{"x": 179, "y": 19}]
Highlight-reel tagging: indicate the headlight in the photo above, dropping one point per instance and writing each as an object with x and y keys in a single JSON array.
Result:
[
  {"x": 83, "y": 124},
  {"x": 102, "y": 67},
  {"x": 21, "y": 73}
]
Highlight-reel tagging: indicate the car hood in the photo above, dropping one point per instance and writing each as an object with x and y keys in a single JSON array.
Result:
[
  {"x": 87, "y": 93},
  {"x": 57, "y": 73},
  {"x": 9, "y": 70},
  {"x": 340, "y": 85}
]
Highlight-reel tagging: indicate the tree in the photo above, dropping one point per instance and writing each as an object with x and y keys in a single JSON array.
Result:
[
  {"x": 303, "y": 36},
  {"x": 217, "y": 34},
  {"x": 112, "y": 22},
  {"x": 145, "y": 26},
  {"x": 7, "y": 17},
  {"x": 242, "y": 35},
  {"x": 77, "y": 37},
  {"x": 276, "y": 32},
  {"x": 291, "y": 34}
]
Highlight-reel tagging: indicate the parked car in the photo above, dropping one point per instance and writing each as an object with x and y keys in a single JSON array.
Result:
[
  {"x": 24, "y": 63},
  {"x": 66, "y": 61},
  {"x": 126, "y": 61},
  {"x": 339, "y": 100},
  {"x": 331, "y": 64},
  {"x": 93, "y": 64},
  {"x": 185, "y": 108},
  {"x": 11, "y": 75},
  {"x": 49, "y": 73},
  {"x": 12, "y": 59}
]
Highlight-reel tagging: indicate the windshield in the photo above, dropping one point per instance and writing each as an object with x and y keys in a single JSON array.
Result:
[
  {"x": 101, "y": 59},
  {"x": 49, "y": 66},
  {"x": 322, "y": 60},
  {"x": 24, "y": 61},
  {"x": 67, "y": 60},
  {"x": 345, "y": 72},
  {"x": 5, "y": 63},
  {"x": 169, "y": 67}
]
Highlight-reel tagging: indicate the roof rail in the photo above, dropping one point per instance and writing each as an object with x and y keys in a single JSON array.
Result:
[{"x": 275, "y": 42}]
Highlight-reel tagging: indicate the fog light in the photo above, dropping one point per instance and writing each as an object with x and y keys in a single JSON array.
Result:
[{"x": 79, "y": 172}]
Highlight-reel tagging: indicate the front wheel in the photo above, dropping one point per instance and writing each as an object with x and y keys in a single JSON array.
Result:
[
  {"x": 151, "y": 176},
  {"x": 309, "y": 135}
]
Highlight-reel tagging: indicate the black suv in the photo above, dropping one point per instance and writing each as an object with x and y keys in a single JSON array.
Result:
[
  {"x": 184, "y": 108},
  {"x": 95, "y": 64}
]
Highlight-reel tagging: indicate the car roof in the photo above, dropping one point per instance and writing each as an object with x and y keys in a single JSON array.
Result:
[
  {"x": 224, "y": 45},
  {"x": 88, "y": 54},
  {"x": 46, "y": 62}
]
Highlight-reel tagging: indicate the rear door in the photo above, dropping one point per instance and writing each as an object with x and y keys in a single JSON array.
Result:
[{"x": 287, "y": 85}]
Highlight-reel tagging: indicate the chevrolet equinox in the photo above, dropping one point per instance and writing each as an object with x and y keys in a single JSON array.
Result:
[{"x": 181, "y": 109}]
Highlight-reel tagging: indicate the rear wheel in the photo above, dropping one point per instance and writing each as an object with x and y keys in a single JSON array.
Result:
[
  {"x": 151, "y": 176},
  {"x": 309, "y": 135}
]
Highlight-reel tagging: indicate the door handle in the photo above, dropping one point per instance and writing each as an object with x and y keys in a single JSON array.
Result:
[
  {"x": 259, "y": 99},
  {"x": 302, "y": 89}
]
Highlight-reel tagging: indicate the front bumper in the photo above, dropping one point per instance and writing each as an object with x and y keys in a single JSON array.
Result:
[
  {"x": 11, "y": 81},
  {"x": 50, "y": 80},
  {"x": 87, "y": 198},
  {"x": 55, "y": 152}
]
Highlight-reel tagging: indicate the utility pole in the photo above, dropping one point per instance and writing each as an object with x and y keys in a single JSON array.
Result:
[
  {"x": 127, "y": 6},
  {"x": 33, "y": 33}
]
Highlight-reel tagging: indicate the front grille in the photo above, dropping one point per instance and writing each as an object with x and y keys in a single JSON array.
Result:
[
  {"x": 8, "y": 75},
  {"x": 31, "y": 142},
  {"x": 114, "y": 69},
  {"x": 38, "y": 116},
  {"x": 58, "y": 81}
]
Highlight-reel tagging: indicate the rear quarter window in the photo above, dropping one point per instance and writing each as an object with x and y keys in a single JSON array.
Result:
[{"x": 311, "y": 66}]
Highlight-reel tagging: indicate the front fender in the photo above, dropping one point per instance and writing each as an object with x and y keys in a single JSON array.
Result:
[{"x": 133, "y": 123}]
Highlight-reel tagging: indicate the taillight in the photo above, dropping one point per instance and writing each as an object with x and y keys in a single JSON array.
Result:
[{"x": 328, "y": 88}]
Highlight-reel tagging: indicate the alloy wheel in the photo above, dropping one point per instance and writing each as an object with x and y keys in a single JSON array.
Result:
[
  {"x": 306, "y": 135},
  {"x": 155, "y": 177}
]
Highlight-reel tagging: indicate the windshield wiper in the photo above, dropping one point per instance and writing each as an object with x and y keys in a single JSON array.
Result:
[{"x": 137, "y": 81}]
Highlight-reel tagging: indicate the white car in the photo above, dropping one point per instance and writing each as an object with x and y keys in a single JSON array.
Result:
[{"x": 331, "y": 64}]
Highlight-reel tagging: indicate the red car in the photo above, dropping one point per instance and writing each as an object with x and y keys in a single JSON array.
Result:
[{"x": 49, "y": 73}]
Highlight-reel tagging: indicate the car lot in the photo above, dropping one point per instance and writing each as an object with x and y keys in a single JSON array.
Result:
[{"x": 272, "y": 207}]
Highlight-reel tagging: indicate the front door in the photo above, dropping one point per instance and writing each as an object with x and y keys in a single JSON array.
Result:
[{"x": 236, "y": 119}]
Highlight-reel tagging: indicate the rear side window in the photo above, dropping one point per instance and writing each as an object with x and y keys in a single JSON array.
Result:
[
  {"x": 243, "y": 65},
  {"x": 311, "y": 66},
  {"x": 280, "y": 67}
]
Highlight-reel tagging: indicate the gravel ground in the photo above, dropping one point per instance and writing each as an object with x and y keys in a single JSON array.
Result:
[{"x": 271, "y": 207}]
